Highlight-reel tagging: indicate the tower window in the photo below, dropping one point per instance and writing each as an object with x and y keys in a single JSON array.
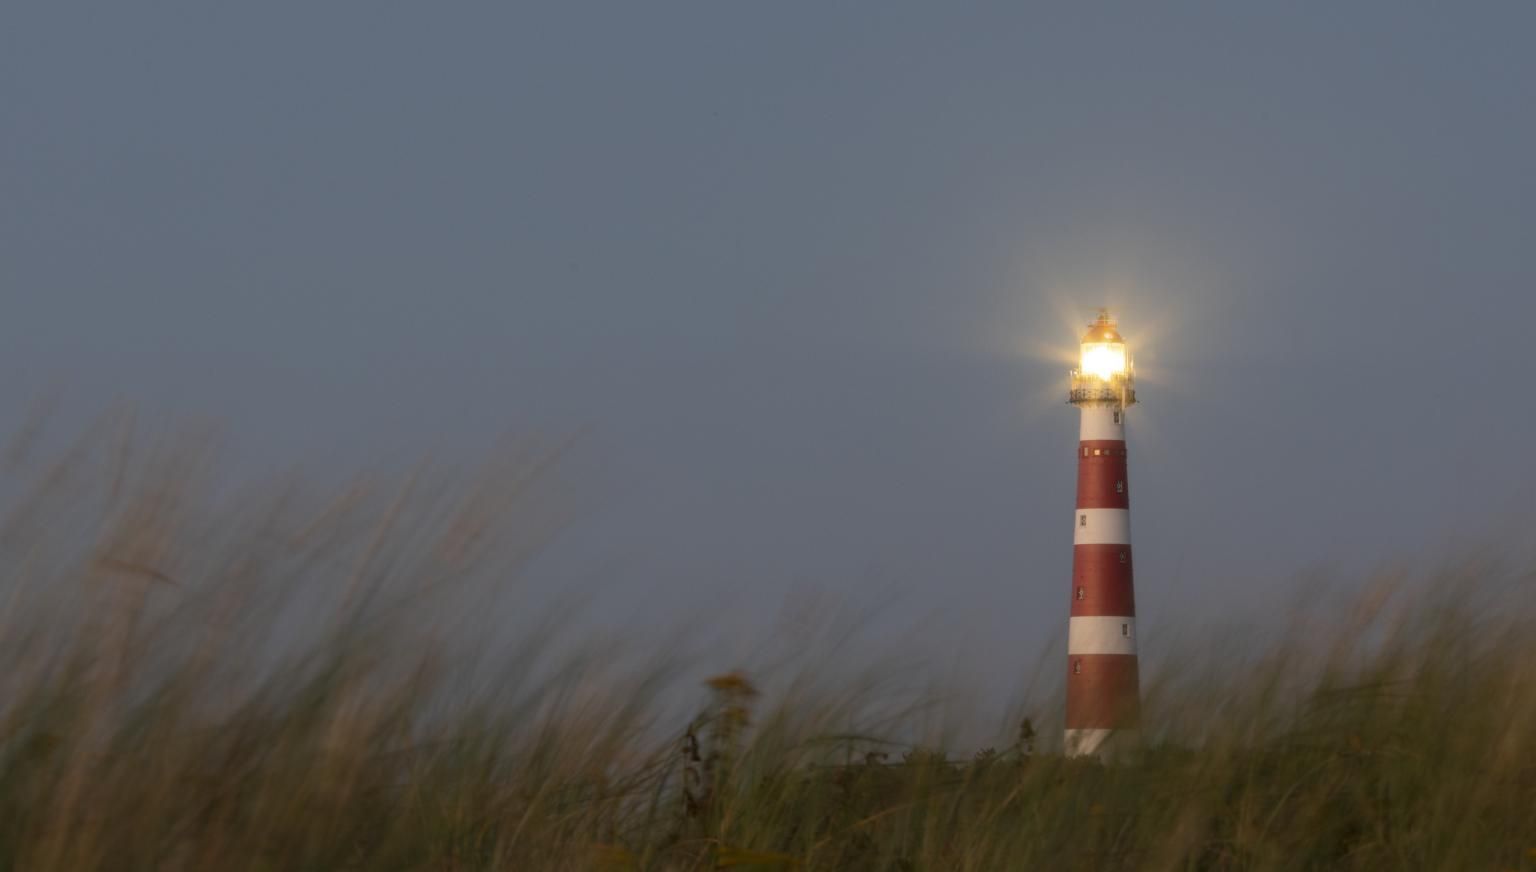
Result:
[
  {"x": 1125, "y": 630},
  {"x": 1077, "y": 667},
  {"x": 1117, "y": 417},
  {"x": 1096, "y": 452},
  {"x": 1119, "y": 487},
  {"x": 1081, "y": 593},
  {"x": 1082, "y": 520},
  {"x": 1124, "y": 558}
]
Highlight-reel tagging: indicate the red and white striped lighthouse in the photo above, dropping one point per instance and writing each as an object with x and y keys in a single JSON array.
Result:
[{"x": 1103, "y": 694}]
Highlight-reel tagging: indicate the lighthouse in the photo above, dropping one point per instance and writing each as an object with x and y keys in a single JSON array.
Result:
[{"x": 1103, "y": 689}]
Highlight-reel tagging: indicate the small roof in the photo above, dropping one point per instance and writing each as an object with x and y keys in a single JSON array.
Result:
[{"x": 1103, "y": 329}]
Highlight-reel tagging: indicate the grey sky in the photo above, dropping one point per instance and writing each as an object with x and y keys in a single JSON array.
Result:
[{"x": 800, "y": 267}]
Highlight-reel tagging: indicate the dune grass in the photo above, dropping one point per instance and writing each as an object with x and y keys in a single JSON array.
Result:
[{"x": 206, "y": 677}]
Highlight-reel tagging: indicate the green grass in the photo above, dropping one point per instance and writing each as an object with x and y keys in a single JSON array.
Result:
[{"x": 204, "y": 677}]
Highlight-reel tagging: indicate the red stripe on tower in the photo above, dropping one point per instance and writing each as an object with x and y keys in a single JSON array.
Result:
[{"x": 1103, "y": 693}]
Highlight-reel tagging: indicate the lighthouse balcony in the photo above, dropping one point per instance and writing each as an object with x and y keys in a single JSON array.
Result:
[{"x": 1092, "y": 390}]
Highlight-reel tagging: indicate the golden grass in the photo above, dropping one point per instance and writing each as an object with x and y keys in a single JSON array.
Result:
[{"x": 206, "y": 678}]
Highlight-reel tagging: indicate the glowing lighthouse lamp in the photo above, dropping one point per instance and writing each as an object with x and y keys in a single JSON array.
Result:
[{"x": 1103, "y": 688}]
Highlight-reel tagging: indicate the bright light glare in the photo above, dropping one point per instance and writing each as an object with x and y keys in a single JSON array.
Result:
[{"x": 1103, "y": 359}]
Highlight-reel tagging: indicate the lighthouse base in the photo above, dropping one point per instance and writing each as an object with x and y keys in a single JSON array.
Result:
[{"x": 1110, "y": 746}]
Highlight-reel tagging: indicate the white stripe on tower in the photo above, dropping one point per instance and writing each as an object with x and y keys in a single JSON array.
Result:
[
  {"x": 1102, "y": 527},
  {"x": 1101, "y": 634},
  {"x": 1093, "y": 743},
  {"x": 1102, "y": 423}
]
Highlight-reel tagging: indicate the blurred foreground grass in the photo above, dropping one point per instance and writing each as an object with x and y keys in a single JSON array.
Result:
[{"x": 198, "y": 676}]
